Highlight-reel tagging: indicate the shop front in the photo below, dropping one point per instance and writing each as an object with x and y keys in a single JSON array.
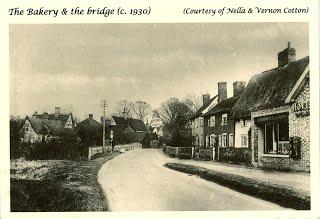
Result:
[{"x": 280, "y": 139}]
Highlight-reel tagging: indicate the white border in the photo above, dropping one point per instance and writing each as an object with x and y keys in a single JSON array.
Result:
[{"x": 164, "y": 11}]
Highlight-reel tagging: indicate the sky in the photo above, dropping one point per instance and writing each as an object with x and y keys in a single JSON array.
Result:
[{"x": 75, "y": 66}]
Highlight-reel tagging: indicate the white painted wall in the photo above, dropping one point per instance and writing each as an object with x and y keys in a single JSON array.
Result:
[{"x": 241, "y": 130}]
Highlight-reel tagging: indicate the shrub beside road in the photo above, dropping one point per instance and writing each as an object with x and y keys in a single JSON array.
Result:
[
  {"x": 282, "y": 195},
  {"x": 57, "y": 185}
]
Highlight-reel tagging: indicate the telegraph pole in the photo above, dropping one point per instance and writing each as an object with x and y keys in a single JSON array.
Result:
[{"x": 104, "y": 105}]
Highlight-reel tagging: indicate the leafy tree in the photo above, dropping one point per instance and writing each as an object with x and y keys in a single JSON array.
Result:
[{"x": 175, "y": 116}]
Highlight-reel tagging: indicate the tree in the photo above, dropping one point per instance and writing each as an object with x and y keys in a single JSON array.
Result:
[
  {"x": 194, "y": 102},
  {"x": 124, "y": 107},
  {"x": 141, "y": 110},
  {"x": 175, "y": 116}
]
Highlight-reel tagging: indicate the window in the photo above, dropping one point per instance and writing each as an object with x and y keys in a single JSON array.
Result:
[
  {"x": 196, "y": 123},
  {"x": 212, "y": 140},
  {"x": 276, "y": 137},
  {"x": 243, "y": 123},
  {"x": 212, "y": 121},
  {"x": 244, "y": 140},
  {"x": 224, "y": 119},
  {"x": 224, "y": 140},
  {"x": 209, "y": 124},
  {"x": 201, "y": 121},
  {"x": 230, "y": 140}
]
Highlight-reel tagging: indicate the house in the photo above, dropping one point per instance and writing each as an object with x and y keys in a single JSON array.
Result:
[
  {"x": 40, "y": 130},
  {"x": 197, "y": 122},
  {"x": 90, "y": 130},
  {"x": 65, "y": 118},
  {"x": 218, "y": 122},
  {"x": 276, "y": 102},
  {"x": 126, "y": 130}
]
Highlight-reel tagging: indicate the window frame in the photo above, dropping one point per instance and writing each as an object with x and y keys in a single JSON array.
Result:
[{"x": 224, "y": 122}]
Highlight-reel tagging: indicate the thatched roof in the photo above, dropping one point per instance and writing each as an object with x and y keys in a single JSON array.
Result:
[
  {"x": 46, "y": 126},
  {"x": 203, "y": 107},
  {"x": 61, "y": 117},
  {"x": 224, "y": 106},
  {"x": 269, "y": 89},
  {"x": 136, "y": 124}
]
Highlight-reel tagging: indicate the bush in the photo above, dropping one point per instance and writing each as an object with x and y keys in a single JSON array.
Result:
[
  {"x": 56, "y": 150},
  {"x": 184, "y": 153},
  {"x": 235, "y": 155},
  {"x": 204, "y": 154}
]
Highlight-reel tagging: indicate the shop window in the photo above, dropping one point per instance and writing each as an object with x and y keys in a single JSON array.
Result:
[
  {"x": 224, "y": 119},
  {"x": 276, "y": 138}
]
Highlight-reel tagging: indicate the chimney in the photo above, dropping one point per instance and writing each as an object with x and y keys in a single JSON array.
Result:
[
  {"x": 35, "y": 113},
  {"x": 286, "y": 56},
  {"x": 205, "y": 98},
  {"x": 124, "y": 113},
  {"x": 45, "y": 115},
  {"x": 90, "y": 116},
  {"x": 57, "y": 111},
  {"x": 222, "y": 91},
  {"x": 238, "y": 88}
]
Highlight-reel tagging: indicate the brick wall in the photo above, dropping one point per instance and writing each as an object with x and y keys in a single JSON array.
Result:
[
  {"x": 299, "y": 125},
  {"x": 219, "y": 129}
]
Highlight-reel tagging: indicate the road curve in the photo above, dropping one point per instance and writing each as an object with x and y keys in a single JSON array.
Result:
[{"x": 138, "y": 181}]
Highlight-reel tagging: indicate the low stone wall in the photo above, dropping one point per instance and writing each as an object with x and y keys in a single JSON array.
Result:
[
  {"x": 283, "y": 163},
  {"x": 127, "y": 147}
]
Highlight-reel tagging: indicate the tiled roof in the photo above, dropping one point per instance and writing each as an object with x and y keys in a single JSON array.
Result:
[
  {"x": 203, "y": 107},
  {"x": 224, "y": 106}
]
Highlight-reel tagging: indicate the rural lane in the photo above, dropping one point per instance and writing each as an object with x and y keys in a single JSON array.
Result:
[{"x": 138, "y": 181}]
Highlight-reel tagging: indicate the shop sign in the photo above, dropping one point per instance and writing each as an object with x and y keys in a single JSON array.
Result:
[{"x": 302, "y": 109}]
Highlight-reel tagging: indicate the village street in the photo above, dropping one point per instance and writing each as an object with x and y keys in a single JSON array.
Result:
[{"x": 137, "y": 180}]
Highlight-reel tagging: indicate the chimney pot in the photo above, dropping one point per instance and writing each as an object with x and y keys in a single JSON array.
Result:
[
  {"x": 205, "y": 98},
  {"x": 286, "y": 56}
]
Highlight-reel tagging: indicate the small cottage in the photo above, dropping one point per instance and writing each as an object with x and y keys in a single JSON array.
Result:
[{"x": 276, "y": 105}]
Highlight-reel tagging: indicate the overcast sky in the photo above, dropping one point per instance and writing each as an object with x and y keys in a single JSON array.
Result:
[{"x": 75, "y": 66}]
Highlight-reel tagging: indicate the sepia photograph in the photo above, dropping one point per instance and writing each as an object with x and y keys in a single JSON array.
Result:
[{"x": 159, "y": 117}]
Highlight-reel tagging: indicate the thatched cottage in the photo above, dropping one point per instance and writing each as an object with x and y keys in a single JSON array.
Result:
[
  {"x": 40, "y": 130},
  {"x": 275, "y": 105}
]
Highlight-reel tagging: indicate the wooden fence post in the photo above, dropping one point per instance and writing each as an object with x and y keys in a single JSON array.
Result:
[{"x": 192, "y": 153}]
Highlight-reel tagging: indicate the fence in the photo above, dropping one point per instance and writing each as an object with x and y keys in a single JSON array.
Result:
[{"x": 180, "y": 152}]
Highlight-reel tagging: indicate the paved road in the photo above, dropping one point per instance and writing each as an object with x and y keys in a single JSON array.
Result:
[{"x": 138, "y": 181}]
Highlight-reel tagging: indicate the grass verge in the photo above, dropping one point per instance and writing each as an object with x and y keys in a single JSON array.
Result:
[
  {"x": 67, "y": 186},
  {"x": 281, "y": 195}
]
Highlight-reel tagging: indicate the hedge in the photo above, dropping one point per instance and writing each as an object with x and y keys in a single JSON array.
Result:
[
  {"x": 55, "y": 150},
  {"x": 235, "y": 155}
]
